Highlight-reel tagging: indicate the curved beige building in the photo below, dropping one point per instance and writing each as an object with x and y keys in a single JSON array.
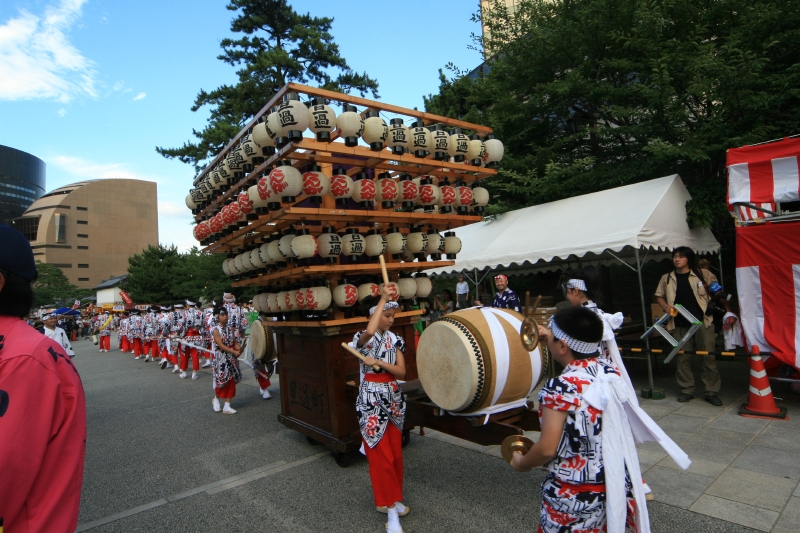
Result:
[{"x": 90, "y": 228}]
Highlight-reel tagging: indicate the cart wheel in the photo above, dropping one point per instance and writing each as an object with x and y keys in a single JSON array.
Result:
[
  {"x": 312, "y": 441},
  {"x": 406, "y": 437},
  {"x": 340, "y": 459}
]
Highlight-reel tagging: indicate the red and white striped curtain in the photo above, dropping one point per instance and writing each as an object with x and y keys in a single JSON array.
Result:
[{"x": 764, "y": 174}]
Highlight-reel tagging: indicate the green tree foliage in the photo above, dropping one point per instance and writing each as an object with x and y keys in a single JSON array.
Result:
[
  {"x": 593, "y": 94},
  {"x": 278, "y": 45},
  {"x": 53, "y": 287},
  {"x": 200, "y": 275}
]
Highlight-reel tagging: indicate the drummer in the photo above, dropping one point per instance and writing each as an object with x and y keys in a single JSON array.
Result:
[{"x": 505, "y": 297}]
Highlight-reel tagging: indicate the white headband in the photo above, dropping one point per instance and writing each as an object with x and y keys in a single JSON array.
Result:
[
  {"x": 585, "y": 348},
  {"x": 576, "y": 284},
  {"x": 389, "y": 305}
]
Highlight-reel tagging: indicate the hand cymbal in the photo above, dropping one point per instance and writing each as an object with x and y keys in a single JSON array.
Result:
[{"x": 515, "y": 443}]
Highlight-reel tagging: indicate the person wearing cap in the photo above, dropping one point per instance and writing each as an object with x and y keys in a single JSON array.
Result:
[
  {"x": 193, "y": 321},
  {"x": 462, "y": 293},
  {"x": 42, "y": 408},
  {"x": 52, "y": 331},
  {"x": 105, "y": 324},
  {"x": 505, "y": 297}
]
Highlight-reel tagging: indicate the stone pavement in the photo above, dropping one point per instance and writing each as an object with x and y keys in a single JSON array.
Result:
[{"x": 159, "y": 459}]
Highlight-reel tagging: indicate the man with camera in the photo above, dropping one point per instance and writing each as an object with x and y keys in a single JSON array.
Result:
[{"x": 698, "y": 292}]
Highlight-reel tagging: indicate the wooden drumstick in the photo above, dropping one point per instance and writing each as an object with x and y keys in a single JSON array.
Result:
[
  {"x": 383, "y": 270},
  {"x": 357, "y": 354}
]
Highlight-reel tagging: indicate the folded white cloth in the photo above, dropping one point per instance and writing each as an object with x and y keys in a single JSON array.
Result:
[{"x": 733, "y": 335}]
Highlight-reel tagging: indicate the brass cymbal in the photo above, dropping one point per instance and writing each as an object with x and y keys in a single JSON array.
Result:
[{"x": 515, "y": 443}]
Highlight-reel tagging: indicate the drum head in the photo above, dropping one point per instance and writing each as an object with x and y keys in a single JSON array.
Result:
[{"x": 261, "y": 341}]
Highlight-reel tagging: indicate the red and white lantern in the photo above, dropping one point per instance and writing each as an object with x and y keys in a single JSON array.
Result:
[
  {"x": 318, "y": 298},
  {"x": 246, "y": 205},
  {"x": 387, "y": 192},
  {"x": 363, "y": 190},
  {"x": 368, "y": 289},
  {"x": 463, "y": 198},
  {"x": 315, "y": 184},
  {"x": 341, "y": 187},
  {"x": 409, "y": 194},
  {"x": 494, "y": 151},
  {"x": 300, "y": 298},
  {"x": 345, "y": 295},
  {"x": 394, "y": 288},
  {"x": 286, "y": 181},
  {"x": 448, "y": 198},
  {"x": 429, "y": 194}
]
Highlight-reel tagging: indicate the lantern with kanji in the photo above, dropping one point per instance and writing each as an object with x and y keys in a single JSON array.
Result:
[
  {"x": 452, "y": 244},
  {"x": 353, "y": 244},
  {"x": 235, "y": 161},
  {"x": 260, "y": 194},
  {"x": 293, "y": 119},
  {"x": 421, "y": 139},
  {"x": 375, "y": 243},
  {"x": 318, "y": 297},
  {"x": 323, "y": 119},
  {"x": 393, "y": 287},
  {"x": 368, "y": 288},
  {"x": 274, "y": 250},
  {"x": 286, "y": 181},
  {"x": 395, "y": 243},
  {"x": 190, "y": 203},
  {"x": 387, "y": 192},
  {"x": 329, "y": 244},
  {"x": 285, "y": 246},
  {"x": 251, "y": 153},
  {"x": 246, "y": 205},
  {"x": 399, "y": 137},
  {"x": 341, "y": 187},
  {"x": 375, "y": 131},
  {"x": 459, "y": 145},
  {"x": 476, "y": 151},
  {"x": 363, "y": 189},
  {"x": 429, "y": 194},
  {"x": 441, "y": 143},
  {"x": 272, "y": 124},
  {"x": 448, "y": 197},
  {"x": 463, "y": 198},
  {"x": 286, "y": 299},
  {"x": 417, "y": 242},
  {"x": 424, "y": 285},
  {"x": 494, "y": 151},
  {"x": 300, "y": 296},
  {"x": 304, "y": 246},
  {"x": 350, "y": 125},
  {"x": 315, "y": 184},
  {"x": 480, "y": 197},
  {"x": 345, "y": 294},
  {"x": 263, "y": 139},
  {"x": 255, "y": 259},
  {"x": 409, "y": 194}
]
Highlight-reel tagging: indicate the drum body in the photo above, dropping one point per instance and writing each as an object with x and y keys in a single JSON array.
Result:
[
  {"x": 473, "y": 359},
  {"x": 261, "y": 342}
]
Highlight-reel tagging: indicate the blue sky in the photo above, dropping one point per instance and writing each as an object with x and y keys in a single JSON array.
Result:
[{"x": 93, "y": 86}]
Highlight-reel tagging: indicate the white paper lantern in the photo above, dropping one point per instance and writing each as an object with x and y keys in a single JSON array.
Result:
[
  {"x": 480, "y": 197},
  {"x": 315, "y": 184},
  {"x": 323, "y": 119},
  {"x": 375, "y": 131},
  {"x": 300, "y": 298},
  {"x": 257, "y": 302},
  {"x": 395, "y": 243},
  {"x": 255, "y": 197},
  {"x": 417, "y": 242},
  {"x": 494, "y": 151},
  {"x": 441, "y": 143},
  {"x": 238, "y": 267},
  {"x": 341, "y": 187},
  {"x": 263, "y": 252},
  {"x": 459, "y": 145},
  {"x": 424, "y": 285},
  {"x": 251, "y": 152},
  {"x": 273, "y": 299},
  {"x": 387, "y": 192},
  {"x": 353, "y": 244},
  {"x": 363, "y": 190},
  {"x": 463, "y": 198},
  {"x": 375, "y": 243},
  {"x": 345, "y": 295},
  {"x": 285, "y": 246},
  {"x": 350, "y": 125},
  {"x": 286, "y": 300},
  {"x": 272, "y": 124},
  {"x": 329, "y": 244},
  {"x": 399, "y": 138},
  {"x": 246, "y": 205},
  {"x": 407, "y": 287},
  {"x": 274, "y": 251},
  {"x": 409, "y": 193},
  {"x": 395, "y": 290},
  {"x": 318, "y": 298},
  {"x": 421, "y": 139},
  {"x": 190, "y": 203},
  {"x": 286, "y": 181},
  {"x": 248, "y": 265},
  {"x": 452, "y": 245},
  {"x": 365, "y": 290},
  {"x": 476, "y": 151},
  {"x": 255, "y": 258},
  {"x": 448, "y": 198},
  {"x": 263, "y": 139},
  {"x": 226, "y": 267},
  {"x": 429, "y": 194},
  {"x": 304, "y": 246},
  {"x": 435, "y": 245},
  {"x": 293, "y": 119}
]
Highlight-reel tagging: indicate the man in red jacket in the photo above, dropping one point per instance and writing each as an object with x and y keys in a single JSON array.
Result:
[{"x": 42, "y": 409}]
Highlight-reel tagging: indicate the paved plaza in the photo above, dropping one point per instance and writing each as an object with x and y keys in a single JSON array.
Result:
[{"x": 159, "y": 459}]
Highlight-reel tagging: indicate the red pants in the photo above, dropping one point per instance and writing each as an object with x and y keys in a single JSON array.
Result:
[
  {"x": 228, "y": 391},
  {"x": 105, "y": 342},
  {"x": 187, "y": 352},
  {"x": 386, "y": 467},
  {"x": 153, "y": 348},
  {"x": 262, "y": 382},
  {"x": 137, "y": 347}
]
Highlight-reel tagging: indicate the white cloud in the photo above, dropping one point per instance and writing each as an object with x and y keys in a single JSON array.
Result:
[
  {"x": 86, "y": 169},
  {"x": 171, "y": 209},
  {"x": 61, "y": 112},
  {"x": 139, "y": 96},
  {"x": 37, "y": 60}
]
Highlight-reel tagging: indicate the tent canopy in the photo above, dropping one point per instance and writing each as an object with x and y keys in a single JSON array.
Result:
[{"x": 599, "y": 228}]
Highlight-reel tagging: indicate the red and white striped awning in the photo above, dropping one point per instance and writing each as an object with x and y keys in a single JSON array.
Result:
[{"x": 765, "y": 173}]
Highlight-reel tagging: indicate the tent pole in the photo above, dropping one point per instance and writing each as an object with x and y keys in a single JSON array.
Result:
[{"x": 644, "y": 322}]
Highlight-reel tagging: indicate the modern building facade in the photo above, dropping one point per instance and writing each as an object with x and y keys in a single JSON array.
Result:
[
  {"x": 90, "y": 228},
  {"x": 22, "y": 182}
]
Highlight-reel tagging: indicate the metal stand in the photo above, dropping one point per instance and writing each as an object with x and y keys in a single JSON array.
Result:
[{"x": 676, "y": 345}]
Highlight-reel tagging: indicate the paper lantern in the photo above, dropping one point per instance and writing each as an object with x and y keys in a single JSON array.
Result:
[
  {"x": 463, "y": 198},
  {"x": 375, "y": 243},
  {"x": 251, "y": 152},
  {"x": 393, "y": 286},
  {"x": 352, "y": 244},
  {"x": 375, "y": 131},
  {"x": 408, "y": 255},
  {"x": 286, "y": 181},
  {"x": 341, "y": 187},
  {"x": 285, "y": 300},
  {"x": 435, "y": 245},
  {"x": 205, "y": 190},
  {"x": 217, "y": 182},
  {"x": 408, "y": 191},
  {"x": 300, "y": 298},
  {"x": 406, "y": 286},
  {"x": 259, "y": 205},
  {"x": 476, "y": 151},
  {"x": 274, "y": 250},
  {"x": 417, "y": 242},
  {"x": 350, "y": 125},
  {"x": 421, "y": 139},
  {"x": 480, "y": 197},
  {"x": 285, "y": 246},
  {"x": 263, "y": 300},
  {"x": 236, "y": 215},
  {"x": 399, "y": 138},
  {"x": 441, "y": 143},
  {"x": 448, "y": 197},
  {"x": 226, "y": 267},
  {"x": 235, "y": 161},
  {"x": 429, "y": 194},
  {"x": 318, "y": 298},
  {"x": 238, "y": 267},
  {"x": 387, "y": 192},
  {"x": 395, "y": 243},
  {"x": 190, "y": 203},
  {"x": 363, "y": 190},
  {"x": 315, "y": 184},
  {"x": 247, "y": 264},
  {"x": 494, "y": 151},
  {"x": 255, "y": 259},
  {"x": 273, "y": 299},
  {"x": 452, "y": 244},
  {"x": 459, "y": 145},
  {"x": 304, "y": 246},
  {"x": 272, "y": 124},
  {"x": 293, "y": 119},
  {"x": 424, "y": 285},
  {"x": 365, "y": 290},
  {"x": 227, "y": 219},
  {"x": 257, "y": 302},
  {"x": 263, "y": 139},
  {"x": 329, "y": 244},
  {"x": 246, "y": 205},
  {"x": 216, "y": 226},
  {"x": 323, "y": 119},
  {"x": 345, "y": 295},
  {"x": 263, "y": 252}
]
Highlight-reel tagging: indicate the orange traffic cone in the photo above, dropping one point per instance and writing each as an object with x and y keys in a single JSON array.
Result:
[{"x": 760, "y": 403}]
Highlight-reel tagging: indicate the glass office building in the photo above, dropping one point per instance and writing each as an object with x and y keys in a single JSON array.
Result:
[{"x": 22, "y": 182}]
